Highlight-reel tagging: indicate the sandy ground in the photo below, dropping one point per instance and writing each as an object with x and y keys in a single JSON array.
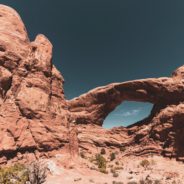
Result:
[{"x": 129, "y": 170}]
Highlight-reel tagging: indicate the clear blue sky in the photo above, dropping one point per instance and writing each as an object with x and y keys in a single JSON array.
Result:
[{"x": 97, "y": 42}]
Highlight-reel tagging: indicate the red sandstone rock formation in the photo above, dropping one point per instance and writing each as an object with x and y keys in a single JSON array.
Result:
[
  {"x": 35, "y": 118},
  {"x": 32, "y": 104}
]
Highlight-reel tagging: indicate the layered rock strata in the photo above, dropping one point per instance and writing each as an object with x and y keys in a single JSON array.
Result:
[{"x": 37, "y": 121}]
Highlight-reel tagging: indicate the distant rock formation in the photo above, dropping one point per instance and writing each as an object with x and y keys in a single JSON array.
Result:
[{"x": 37, "y": 121}]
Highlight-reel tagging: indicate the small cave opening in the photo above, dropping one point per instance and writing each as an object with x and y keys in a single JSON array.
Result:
[{"x": 127, "y": 113}]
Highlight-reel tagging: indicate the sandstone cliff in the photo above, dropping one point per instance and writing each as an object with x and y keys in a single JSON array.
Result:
[{"x": 37, "y": 121}]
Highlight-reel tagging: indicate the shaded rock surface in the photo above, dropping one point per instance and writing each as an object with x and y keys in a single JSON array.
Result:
[{"x": 37, "y": 121}]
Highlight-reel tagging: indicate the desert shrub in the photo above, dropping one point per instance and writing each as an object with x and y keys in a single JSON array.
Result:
[
  {"x": 117, "y": 182},
  {"x": 148, "y": 181},
  {"x": 118, "y": 168},
  {"x": 157, "y": 182},
  {"x": 103, "y": 152},
  {"x": 82, "y": 155},
  {"x": 110, "y": 166},
  {"x": 174, "y": 182},
  {"x": 122, "y": 149},
  {"x": 145, "y": 163},
  {"x": 112, "y": 156},
  {"x": 92, "y": 159},
  {"x": 91, "y": 180},
  {"x": 103, "y": 170},
  {"x": 37, "y": 172},
  {"x": 101, "y": 163},
  {"x": 132, "y": 182},
  {"x": 115, "y": 174},
  {"x": 77, "y": 179},
  {"x": 16, "y": 174},
  {"x": 142, "y": 181},
  {"x": 117, "y": 163},
  {"x": 113, "y": 170}
]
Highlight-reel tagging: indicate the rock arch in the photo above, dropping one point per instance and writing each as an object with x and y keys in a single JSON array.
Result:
[{"x": 94, "y": 106}]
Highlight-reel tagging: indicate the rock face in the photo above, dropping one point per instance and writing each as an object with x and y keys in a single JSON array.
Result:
[
  {"x": 36, "y": 120},
  {"x": 32, "y": 104}
]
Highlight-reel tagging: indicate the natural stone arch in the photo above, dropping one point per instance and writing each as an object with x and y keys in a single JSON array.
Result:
[
  {"x": 37, "y": 127},
  {"x": 94, "y": 106}
]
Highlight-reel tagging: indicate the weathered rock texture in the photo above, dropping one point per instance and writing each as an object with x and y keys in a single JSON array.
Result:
[
  {"x": 36, "y": 119},
  {"x": 32, "y": 104},
  {"x": 160, "y": 133}
]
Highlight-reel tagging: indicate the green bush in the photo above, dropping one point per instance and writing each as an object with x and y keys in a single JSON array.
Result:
[
  {"x": 101, "y": 161},
  {"x": 112, "y": 156},
  {"x": 35, "y": 173},
  {"x": 16, "y": 174}
]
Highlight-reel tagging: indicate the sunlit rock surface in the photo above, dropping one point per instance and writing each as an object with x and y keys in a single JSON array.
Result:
[{"x": 37, "y": 121}]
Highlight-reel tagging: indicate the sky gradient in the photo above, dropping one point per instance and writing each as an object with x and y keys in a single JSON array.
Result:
[{"x": 97, "y": 42}]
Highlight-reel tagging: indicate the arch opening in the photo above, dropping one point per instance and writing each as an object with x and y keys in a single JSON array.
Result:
[{"x": 127, "y": 113}]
